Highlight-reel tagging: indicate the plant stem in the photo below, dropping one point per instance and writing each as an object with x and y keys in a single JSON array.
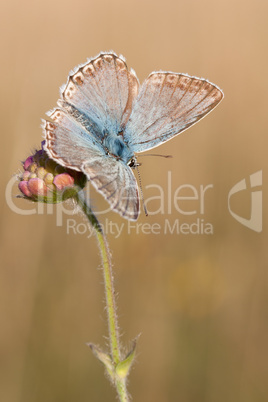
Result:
[{"x": 120, "y": 383}]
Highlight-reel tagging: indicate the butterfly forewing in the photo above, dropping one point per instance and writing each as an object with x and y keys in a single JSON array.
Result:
[
  {"x": 103, "y": 90},
  {"x": 168, "y": 103}
]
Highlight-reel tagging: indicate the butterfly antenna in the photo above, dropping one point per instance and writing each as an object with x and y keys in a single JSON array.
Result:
[
  {"x": 163, "y": 156},
  {"x": 142, "y": 198}
]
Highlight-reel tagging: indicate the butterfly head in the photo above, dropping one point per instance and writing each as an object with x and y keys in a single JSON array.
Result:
[{"x": 133, "y": 162}]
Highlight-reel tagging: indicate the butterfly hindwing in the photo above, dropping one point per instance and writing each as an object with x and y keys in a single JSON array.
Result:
[{"x": 116, "y": 182}]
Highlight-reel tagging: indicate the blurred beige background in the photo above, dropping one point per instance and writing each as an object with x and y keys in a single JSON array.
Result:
[{"x": 199, "y": 301}]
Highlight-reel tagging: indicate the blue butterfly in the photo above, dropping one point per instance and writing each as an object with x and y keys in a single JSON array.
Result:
[{"x": 104, "y": 117}]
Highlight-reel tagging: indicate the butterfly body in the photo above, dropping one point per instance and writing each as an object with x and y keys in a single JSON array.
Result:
[
  {"x": 116, "y": 147},
  {"x": 104, "y": 118}
]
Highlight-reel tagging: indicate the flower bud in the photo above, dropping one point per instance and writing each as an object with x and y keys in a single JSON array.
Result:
[
  {"x": 41, "y": 172},
  {"x": 63, "y": 180},
  {"x": 37, "y": 187},
  {"x": 46, "y": 181},
  {"x": 49, "y": 177},
  {"x": 28, "y": 162},
  {"x": 23, "y": 186},
  {"x": 26, "y": 175}
]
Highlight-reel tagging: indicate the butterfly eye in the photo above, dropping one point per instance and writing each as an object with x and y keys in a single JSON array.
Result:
[{"x": 132, "y": 163}]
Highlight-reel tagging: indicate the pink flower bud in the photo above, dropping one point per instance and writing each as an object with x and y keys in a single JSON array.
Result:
[
  {"x": 28, "y": 162},
  {"x": 23, "y": 186},
  {"x": 37, "y": 187},
  {"x": 26, "y": 175},
  {"x": 63, "y": 180}
]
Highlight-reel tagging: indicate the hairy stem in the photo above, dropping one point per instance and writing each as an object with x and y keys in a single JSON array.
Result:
[{"x": 120, "y": 383}]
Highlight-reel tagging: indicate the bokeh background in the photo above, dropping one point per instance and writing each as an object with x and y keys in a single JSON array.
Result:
[{"x": 199, "y": 301}]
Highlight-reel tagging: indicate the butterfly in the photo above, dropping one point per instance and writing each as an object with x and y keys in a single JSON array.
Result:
[{"x": 104, "y": 117}]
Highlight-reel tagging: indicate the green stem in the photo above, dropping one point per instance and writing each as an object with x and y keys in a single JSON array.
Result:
[{"x": 120, "y": 383}]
